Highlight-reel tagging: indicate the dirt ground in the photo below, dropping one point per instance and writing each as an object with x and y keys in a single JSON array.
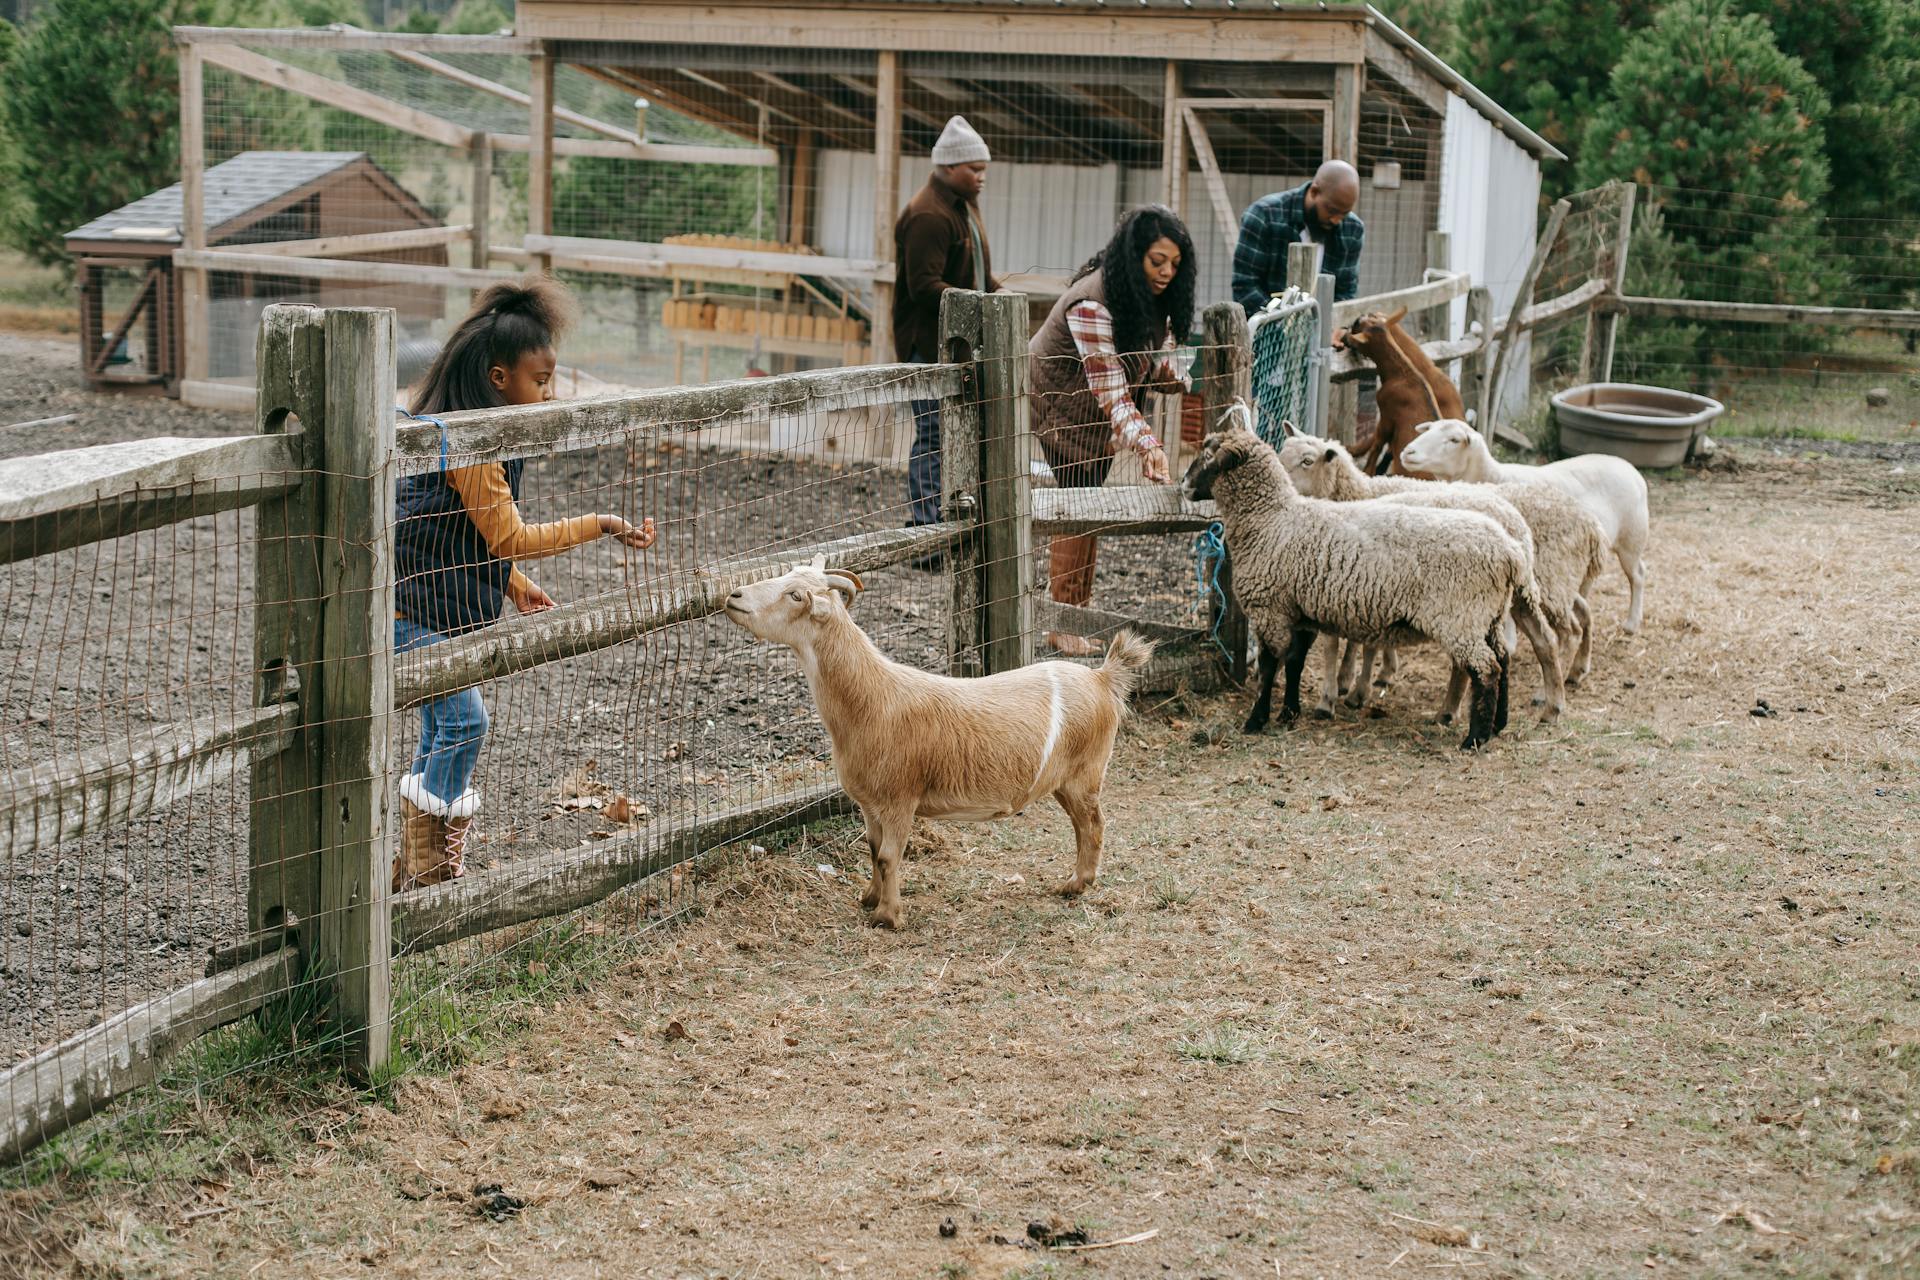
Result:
[{"x": 1632, "y": 993}]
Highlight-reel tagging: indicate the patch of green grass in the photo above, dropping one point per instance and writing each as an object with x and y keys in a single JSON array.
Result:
[
  {"x": 1227, "y": 1044},
  {"x": 1167, "y": 892}
]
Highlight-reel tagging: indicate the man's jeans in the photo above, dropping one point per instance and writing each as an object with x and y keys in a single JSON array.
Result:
[{"x": 923, "y": 464}]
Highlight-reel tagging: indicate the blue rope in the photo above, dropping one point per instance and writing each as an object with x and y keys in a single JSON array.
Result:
[
  {"x": 427, "y": 417},
  {"x": 1209, "y": 550}
]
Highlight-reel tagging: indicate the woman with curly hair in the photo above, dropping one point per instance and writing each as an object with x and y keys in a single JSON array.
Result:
[{"x": 1094, "y": 366}]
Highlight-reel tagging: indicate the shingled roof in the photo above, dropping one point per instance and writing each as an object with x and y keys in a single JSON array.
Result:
[{"x": 250, "y": 183}]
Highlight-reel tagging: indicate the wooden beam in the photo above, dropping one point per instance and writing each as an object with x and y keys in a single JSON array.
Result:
[
  {"x": 348, "y": 938},
  {"x": 1173, "y": 145},
  {"x": 693, "y": 108},
  {"x": 1349, "y": 84},
  {"x": 611, "y": 618},
  {"x": 1223, "y": 209},
  {"x": 1225, "y": 374},
  {"x": 1384, "y": 57},
  {"x": 502, "y": 92},
  {"x": 196, "y": 330},
  {"x": 333, "y": 93},
  {"x": 1287, "y": 35},
  {"x": 556, "y": 883},
  {"x": 652, "y": 152},
  {"x": 1480, "y": 328},
  {"x": 1416, "y": 297},
  {"x": 57, "y": 1088},
  {"x": 1771, "y": 313},
  {"x": 1623, "y": 241},
  {"x": 50, "y": 502},
  {"x": 366, "y": 242},
  {"x": 1145, "y": 509},
  {"x": 562, "y": 426},
  {"x": 260, "y": 264},
  {"x": 960, "y": 457},
  {"x": 886, "y": 196},
  {"x": 540, "y": 163},
  {"x": 800, "y": 188},
  {"x": 691, "y": 256},
  {"x": 1434, "y": 321},
  {"x": 283, "y": 815},
  {"x": 480, "y": 199},
  {"x": 1568, "y": 303},
  {"x": 349, "y": 38},
  {"x": 121, "y": 782},
  {"x": 1510, "y": 331},
  {"x": 1006, "y": 484}
]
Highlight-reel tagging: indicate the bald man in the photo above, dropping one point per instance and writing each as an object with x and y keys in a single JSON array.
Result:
[{"x": 1318, "y": 212}]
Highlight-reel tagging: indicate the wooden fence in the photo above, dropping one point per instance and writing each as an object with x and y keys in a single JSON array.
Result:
[{"x": 316, "y": 745}]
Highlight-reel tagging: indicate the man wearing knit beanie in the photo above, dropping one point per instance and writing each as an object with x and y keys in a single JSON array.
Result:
[{"x": 939, "y": 244}]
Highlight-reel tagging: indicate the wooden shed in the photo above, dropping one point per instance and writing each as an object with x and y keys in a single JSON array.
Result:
[
  {"x": 285, "y": 203},
  {"x": 1088, "y": 107}
]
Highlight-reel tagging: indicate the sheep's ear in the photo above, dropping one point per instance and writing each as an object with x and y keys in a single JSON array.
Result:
[
  {"x": 1328, "y": 455},
  {"x": 1287, "y": 428}
]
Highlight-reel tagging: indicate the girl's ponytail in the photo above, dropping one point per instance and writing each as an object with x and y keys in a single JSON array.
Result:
[{"x": 507, "y": 322}]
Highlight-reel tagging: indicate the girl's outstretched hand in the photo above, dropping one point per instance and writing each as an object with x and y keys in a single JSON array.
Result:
[
  {"x": 1153, "y": 465},
  {"x": 639, "y": 538},
  {"x": 530, "y": 599}
]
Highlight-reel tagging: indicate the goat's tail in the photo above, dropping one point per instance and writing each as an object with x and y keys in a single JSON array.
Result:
[{"x": 1127, "y": 655}]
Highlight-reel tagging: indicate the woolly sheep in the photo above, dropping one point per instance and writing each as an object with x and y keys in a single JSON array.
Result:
[
  {"x": 1611, "y": 488},
  {"x": 1374, "y": 572},
  {"x": 909, "y": 743},
  {"x": 1567, "y": 540}
]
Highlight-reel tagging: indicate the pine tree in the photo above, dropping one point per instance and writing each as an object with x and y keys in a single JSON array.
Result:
[
  {"x": 94, "y": 99},
  {"x": 1547, "y": 61}
]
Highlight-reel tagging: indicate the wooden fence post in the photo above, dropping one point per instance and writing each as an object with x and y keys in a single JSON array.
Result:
[
  {"x": 1434, "y": 321},
  {"x": 960, "y": 480},
  {"x": 480, "y": 159},
  {"x": 195, "y": 330},
  {"x": 1473, "y": 368},
  {"x": 1226, "y": 372},
  {"x": 1303, "y": 273},
  {"x": 1610, "y": 319},
  {"x": 1329, "y": 400},
  {"x": 283, "y": 829},
  {"x": 350, "y": 943},
  {"x": 1006, "y": 484}
]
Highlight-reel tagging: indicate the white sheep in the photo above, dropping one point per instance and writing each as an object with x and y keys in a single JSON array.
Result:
[
  {"x": 1375, "y": 572},
  {"x": 1566, "y": 538},
  {"x": 1611, "y": 488},
  {"x": 909, "y": 743}
]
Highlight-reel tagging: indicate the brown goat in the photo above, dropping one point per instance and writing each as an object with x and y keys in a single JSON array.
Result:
[{"x": 1412, "y": 388}]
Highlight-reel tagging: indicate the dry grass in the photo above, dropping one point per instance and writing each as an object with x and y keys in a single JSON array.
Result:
[{"x": 1634, "y": 993}]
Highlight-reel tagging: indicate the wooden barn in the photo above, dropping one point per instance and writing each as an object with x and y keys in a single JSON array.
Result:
[
  {"x": 1089, "y": 108},
  {"x": 286, "y": 203}
]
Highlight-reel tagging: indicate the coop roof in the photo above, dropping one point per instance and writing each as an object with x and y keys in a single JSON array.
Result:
[{"x": 251, "y": 186}]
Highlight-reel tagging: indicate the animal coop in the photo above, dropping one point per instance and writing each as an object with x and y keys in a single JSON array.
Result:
[{"x": 719, "y": 182}]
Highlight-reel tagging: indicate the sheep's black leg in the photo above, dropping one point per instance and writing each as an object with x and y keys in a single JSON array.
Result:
[
  {"x": 1482, "y": 703},
  {"x": 1296, "y": 663},
  {"x": 1263, "y": 700}
]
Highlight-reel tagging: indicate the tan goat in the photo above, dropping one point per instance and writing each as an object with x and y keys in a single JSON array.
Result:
[{"x": 908, "y": 743}]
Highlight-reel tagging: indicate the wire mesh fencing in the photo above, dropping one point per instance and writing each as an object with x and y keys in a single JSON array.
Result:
[{"x": 1285, "y": 340}]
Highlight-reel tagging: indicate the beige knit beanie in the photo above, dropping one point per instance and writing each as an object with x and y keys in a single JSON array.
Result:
[{"x": 959, "y": 144}]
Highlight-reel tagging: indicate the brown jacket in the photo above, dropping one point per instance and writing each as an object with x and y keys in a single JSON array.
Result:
[{"x": 934, "y": 253}]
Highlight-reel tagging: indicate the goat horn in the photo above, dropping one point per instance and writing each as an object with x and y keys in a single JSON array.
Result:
[{"x": 847, "y": 584}]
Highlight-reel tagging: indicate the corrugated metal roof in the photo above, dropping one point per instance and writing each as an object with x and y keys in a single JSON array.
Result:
[{"x": 246, "y": 182}]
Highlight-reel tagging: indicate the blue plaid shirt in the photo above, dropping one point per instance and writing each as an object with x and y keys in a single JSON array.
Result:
[{"x": 1270, "y": 225}]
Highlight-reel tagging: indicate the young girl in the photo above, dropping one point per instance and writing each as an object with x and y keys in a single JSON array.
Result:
[
  {"x": 1092, "y": 369},
  {"x": 457, "y": 536}
]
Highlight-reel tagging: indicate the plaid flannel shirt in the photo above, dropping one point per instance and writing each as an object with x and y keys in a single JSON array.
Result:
[
  {"x": 1092, "y": 328},
  {"x": 1270, "y": 225}
]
